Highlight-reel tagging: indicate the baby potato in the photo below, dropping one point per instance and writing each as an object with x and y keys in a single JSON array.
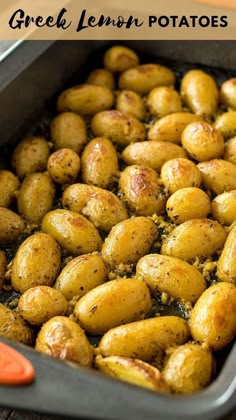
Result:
[
  {"x": 99, "y": 163},
  {"x": 112, "y": 304},
  {"x": 81, "y": 275},
  {"x": 9, "y": 184},
  {"x": 224, "y": 208},
  {"x": 202, "y": 141},
  {"x": 188, "y": 203},
  {"x": 228, "y": 93},
  {"x": 226, "y": 266},
  {"x": 144, "y": 339},
  {"x": 68, "y": 131},
  {"x": 36, "y": 197},
  {"x": 171, "y": 275},
  {"x": 101, "y": 77},
  {"x": 63, "y": 166},
  {"x": 119, "y": 58},
  {"x": 140, "y": 189},
  {"x": 213, "y": 318},
  {"x": 189, "y": 368},
  {"x": 103, "y": 208},
  {"x": 170, "y": 127},
  {"x": 230, "y": 150},
  {"x": 128, "y": 241},
  {"x": 3, "y": 267},
  {"x": 41, "y": 303},
  {"x": 131, "y": 103},
  {"x": 120, "y": 128},
  {"x": 180, "y": 173},
  {"x": 164, "y": 100},
  {"x": 85, "y": 99},
  {"x": 200, "y": 93},
  {"x": 151, "y": 154},
  {"x": 36, "y": 263},
  {"x": 73, "y": 232},
  {"x": 63, "y": 338},
  {"x": 218, "y": 175},
  {"x": 30, "y": 155},
  {"x": 226, "y": 124},
  {"x": 194, "y": 238},
  {"x": 11, "y": 225},
  {"x": 13, "y": 327},
  {"x": 144, "y": 78}
]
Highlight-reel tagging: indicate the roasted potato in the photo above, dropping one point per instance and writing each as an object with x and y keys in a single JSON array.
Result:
[
  {"x": 3, "y": 268},
  {"x": 9, "y": 184},
  {"x": 218, "y": 175},
  {"x": 119, "y": 58},
  {"x": 101, "y": 77},
  {"x": 180, "y": 173},
  {"x": 131, "y": 103},
  {"x": 228, "y": 93},
  {"x": 163, "y": 100},
  {"x": 13, "y": 327},
  {"x": 224, "y": 207},
  {"x": 226, "y": 266},
  {"x": 64, "y": 166},
  {"x": 226, "y": 124},
  {"x": 230, "y": 150},
  {"x": 68, "y": 131},
  {"x": 11, "y": 225}
]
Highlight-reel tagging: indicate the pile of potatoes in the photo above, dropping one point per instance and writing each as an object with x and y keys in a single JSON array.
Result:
[{"x": 126, "y": 152}]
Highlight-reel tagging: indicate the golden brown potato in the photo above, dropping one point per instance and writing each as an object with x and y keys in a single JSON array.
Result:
[
  {"x": 101, "y": 77},
  {"x": 144, "y": 78},
  {"x": 226, "y": 124},
  {"x": 171, "y": 275},
  {"x": 99, "y": 163},
  {"x": 119, "y": 58},
  {"x": 200, "y": 93},
  {"x": 164, "y": 100},
  {"x": 213, "y": 319},
  {"x": 61, "y": 337},
  {"x": 11, "y": 225},
  {"x": 189, "y": 368},
  {"x": 194, "y": 238},
  {"x": 224, "y": 208},
  {"x": 120, "y": 128},
  {"x": 180, "y": 173},
  {"x": 68, "y": 130},
  {"x": 170, "y": 127},
  {"x": 202, "y": 141},
  {"x": 73, "y": 232},
  {"x": 103, "y": 208},
  {"x": 9, "y": 184},
  {"x": 36, "y": 197},
  {"x": 37, "y": 262},
  {"x": 131, "y": 103},
  {"x": 230, "y": 150},
  {"x": 81, "y": 275},
  {"x": 228, "y": 93},
  {"x": 41, "y": 303},
  {"x": 112, "y": 304},
  {"x": 128, "y": 241},
  {"x": 30, "y": 155},
  {"x": 218, "y": 175},
  {"x": 64, "y": 166},
  {"x": 3, "y": 267},
  {"x": 13, "y": 327},
  {"x": 144, "y": 339},
  {"x": 140, "y": 189},
  {"x": 226, "y": 266},
  {"x": 85, "y": 99},
  {"x": 188, "y": 203}
]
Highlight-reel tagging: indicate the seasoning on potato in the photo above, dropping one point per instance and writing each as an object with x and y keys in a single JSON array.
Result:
[
  {"x": 224, "y": 208},
  {"x": 9, "y": 184},
  {"x": 163, "y": 100},
  {"x": 180, "y": 173},
  {"x": 64, "y": 166},
  {"x": 226, "y": 266},
  {"x": 218, "y": 175},
  {"x": 131, "y": 103},
  {"x": 11, "y": 225},
  {"x": 119, "y": 58},
  {"x": 13, "y": 327},
  {"x": 68, "y": 130},
  {"x": 101, "y": 77}
]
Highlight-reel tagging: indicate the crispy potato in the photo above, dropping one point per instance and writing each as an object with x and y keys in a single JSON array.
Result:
[
  {"x": 64, "y": 166},
  {"x": 3, "y": 268},
  {"x": 228, "y": 93},
  {"x": 226, "y": 266},
  {"x": 68, "y": 130},
  {"x": 180, "y": 173},
  {"x": 119, "y": 58},
  {"x": 131, "y": 103},
  {"x": 9, "y": 184},
  {"x": 164, "y": 100},
  {"x": 218, "y": 175},
  {"x": 30, "y": 155},
  {"x": 13, "y": 327},
  {"x": 101, "y": 77},
  {"x": 226, "y": 124},
  {"x": 11, "y": 225},
  {"x": 224, "y": 207},
  {"x": 230, "y": 150}
]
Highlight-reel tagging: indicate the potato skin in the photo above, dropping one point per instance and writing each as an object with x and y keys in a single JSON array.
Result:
[
  {"x": 101, "y": 77},
  {"x": 13, "y": 327},
  {"x": 30, "y": 155},
  {"x": 224, "y": 207},
  {"x": 140, "y": 189},
  {"x": 171, "y": 275},
  {"x": 226, "y": 266},
  {"x": 103, "y": 208},
  {"x": 85, "y": 99},
  {"x": 119, "y": 58},
  {"x": 73, "y": 232},
  {"x": 36, "y": 263},
  {"x": 131, "y": 103},
  {"x": 63, "y": 338},
  {"x": 36, "y": 197},
  {"x": 188, "y": 203},
  {"x": 164, "y": 100},
  {"x": 99, "y": 163},
  {"x": 128, "y": 241},
  {"x": 213, "y": 319},
  {"x": 181, "y": 242},
  {"x": 200, "y": 93},
  {"x": 120, "y": 128},
  {"x": 81, "y": 275},
  {"x": 9, "y": 184},
  {"x": 151, "y": 154},
  {"x": 189, "y": 368},
  {"x": 228, "y": 93},
  {"x": 230, "y": 150},
  {"x": 68, "y": 130},
  {"x": 41, "y": 303},
  {"x": 11, "y": 225},
  {"x": 112, "y": 304},
  {"x": 170, "y": 127},
  {"x": 180, "y": 173},
  {"x": 145, "y": 77},
  {"x": 218, "y": 175},
  {"x": 63, "y": 166},
  {"x": 226, "y": 124},
  {"x": 144, "y": 339},
  {"x": 3, "y": 267}
]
